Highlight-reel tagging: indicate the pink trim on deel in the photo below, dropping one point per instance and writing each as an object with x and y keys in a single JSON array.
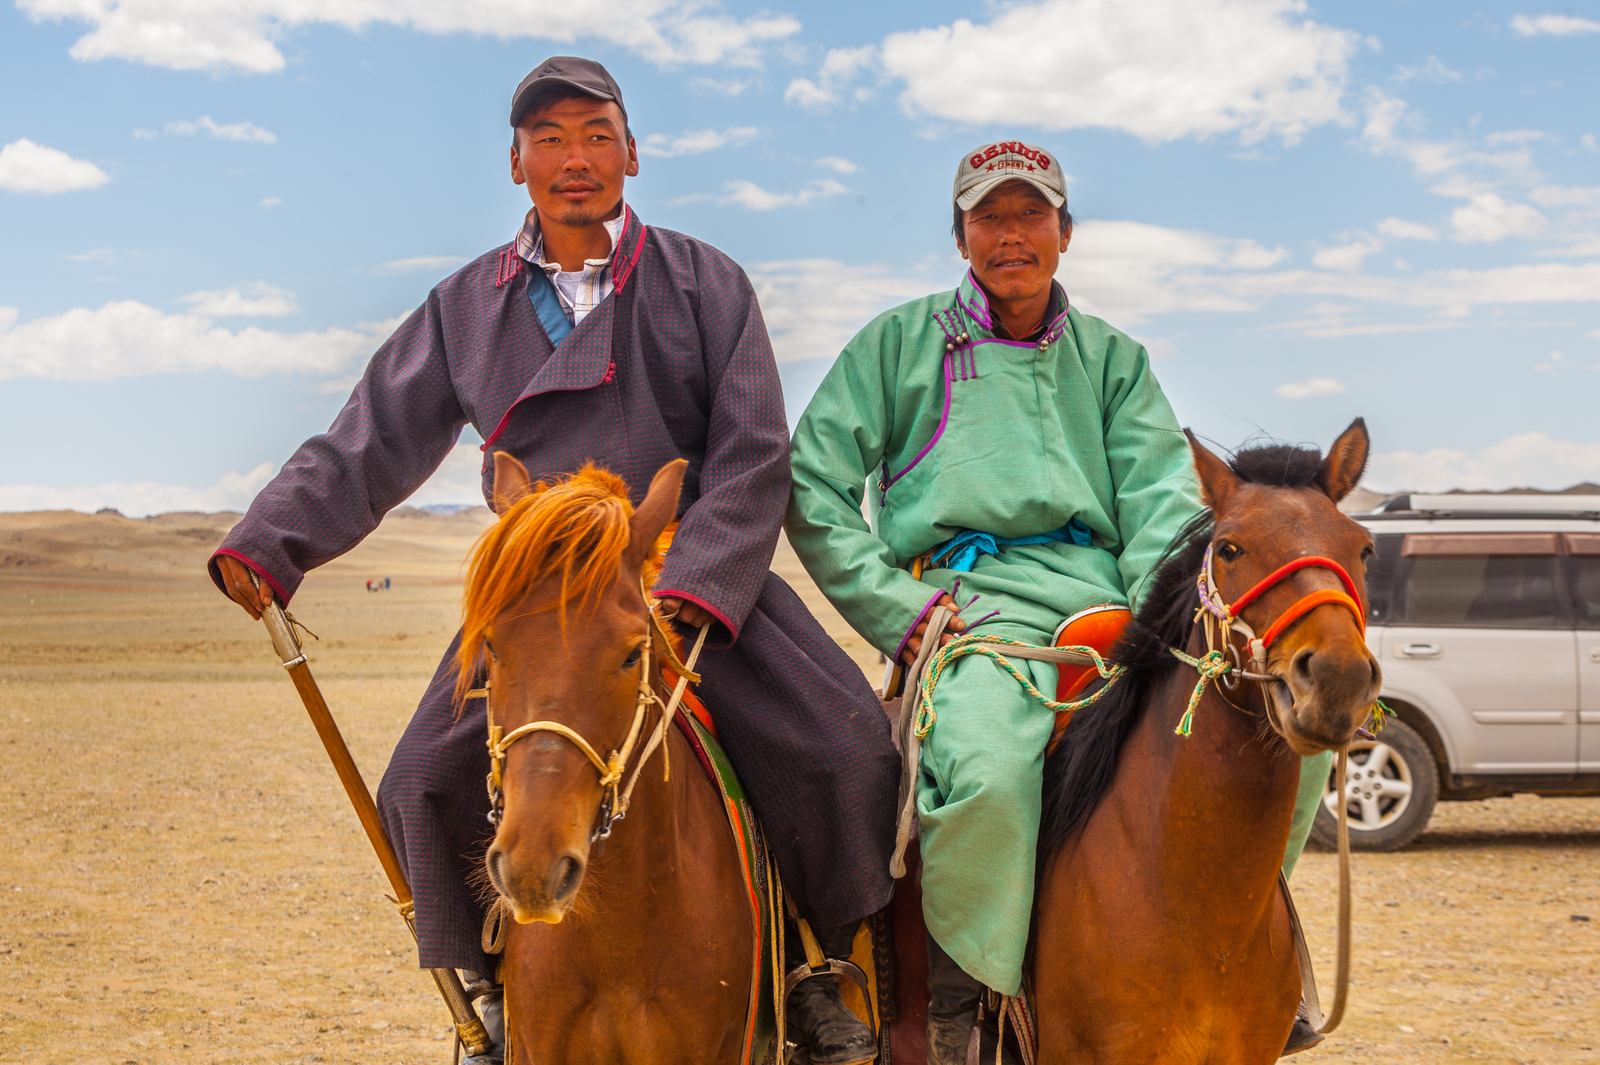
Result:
[
  {"x": 944, "y": 419},
  {"x": 697, "y": 601},
  {"x": 261, "y": 571},
  {"x": 918, "y": 621}
]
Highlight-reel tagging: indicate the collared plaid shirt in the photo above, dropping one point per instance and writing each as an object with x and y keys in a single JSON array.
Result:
[{"x": 581, "y": 291}]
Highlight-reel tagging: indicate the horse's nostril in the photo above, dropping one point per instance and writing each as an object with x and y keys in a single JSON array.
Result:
[
  {"x": 567, "y": 874},
  {"x": 495, "y": 861},
  {"x": 1302, "y": 666}
]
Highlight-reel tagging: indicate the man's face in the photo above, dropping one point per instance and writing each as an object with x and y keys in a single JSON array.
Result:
[
  {"x": 573, "y": 155},
  {"x": 1013, "y": 239}
]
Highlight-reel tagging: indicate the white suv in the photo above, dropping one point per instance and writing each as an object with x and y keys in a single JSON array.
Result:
[{"x": 1485, "y": 612}]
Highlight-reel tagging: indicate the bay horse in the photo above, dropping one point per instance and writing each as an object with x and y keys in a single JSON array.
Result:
[
  {"x": 640, "y": 951},
  {"x": 1161, "y": 933}
]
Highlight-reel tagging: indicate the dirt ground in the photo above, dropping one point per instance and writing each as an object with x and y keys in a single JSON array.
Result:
[{"x": 182, "y": 880}]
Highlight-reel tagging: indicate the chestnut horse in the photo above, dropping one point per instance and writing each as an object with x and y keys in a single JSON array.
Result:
[
  {"x": 638, "y": 951},
  {"x": 1161, "y": 934}
]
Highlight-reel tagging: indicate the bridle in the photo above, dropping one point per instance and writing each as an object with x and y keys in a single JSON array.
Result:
[
  {"x": 615, "y": 795},
  {"x": 1219, "y": 619}
]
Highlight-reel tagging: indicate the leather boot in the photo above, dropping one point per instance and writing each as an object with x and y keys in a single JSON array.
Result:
[
  {"x": 952, "y": 1008},
  {"x": 490, "y": 1001},
  {"x": 1302, "y": 1036},
  {"x": 817, "y": 1015},
  {"x": 953, "y": 999}
]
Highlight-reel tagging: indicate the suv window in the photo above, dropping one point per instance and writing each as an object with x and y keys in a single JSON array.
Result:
[
  {"x": 1484, "y": 591},
  {"x": 1380, "y": 578},
  {"x": 1585, "y": 571}
]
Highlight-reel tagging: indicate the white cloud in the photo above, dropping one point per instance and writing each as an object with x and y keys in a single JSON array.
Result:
[
  {"x": 271, "y": 201},
  {"x": 1311, "y": 386},
  {"x": 129, "y": 339},
  {"x": 1400, "y": 229},
  {"x": 1459, "y": 169},
  {"x": 1527, "y": 460},
  {"x": 1488, "y": 218},
  {"x": 137, "y": 500},
  {"x": 1553, "y": 25},
  {"x": 721, "y": 86},
  {"x": 243, "y": 35},
  {"x": 1555, "y": 362},
  {"x": 695, "y": 141},
  {"x": 1557, "y": 196},
  {"x": 1431, "y": 70},
  {"x": 259, "y": 300},
  {"x": 236, "y": 131},
  {"x": 94, "y": 255},
  {"x": 1346, "y": 256},
  {"x": 1160, "y": 69},
  {"x": 814, "y": 306},
  {"x": 421, "y": 262},
  {"x": 752, "y": 196},
  {"x": 29, "y": 167},
  {"x": 837, "y": 165},
  {"x": 1128, "y": 271},
  {"x": 1588, "y": 141},
  {"x": 459, "y": 479},
  {"x": 840, "y": 67}
]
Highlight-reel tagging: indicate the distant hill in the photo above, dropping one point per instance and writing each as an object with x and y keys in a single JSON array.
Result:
[{"x": 410, "y": 540}]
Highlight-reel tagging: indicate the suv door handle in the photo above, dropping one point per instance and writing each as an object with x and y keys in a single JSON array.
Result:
[
  {"x": 1420, "y": 650},
  {"x": 1594, "y": 654}
]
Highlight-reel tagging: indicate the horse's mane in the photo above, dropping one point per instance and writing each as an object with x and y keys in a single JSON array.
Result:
[
  {"x": 577, "y": 526},
  {"x": 1079, "y": 771}
]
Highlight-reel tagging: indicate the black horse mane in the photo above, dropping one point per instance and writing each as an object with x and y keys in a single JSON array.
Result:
[{"x": 1078, "y": 772}]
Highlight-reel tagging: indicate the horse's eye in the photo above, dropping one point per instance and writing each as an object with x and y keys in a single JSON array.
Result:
[
  {"x": 633, "y": 658},
  {"x": 1366, "y": 552},
  {"x": 487, "y": 646},
  {"x": 1228, "y": 552}
]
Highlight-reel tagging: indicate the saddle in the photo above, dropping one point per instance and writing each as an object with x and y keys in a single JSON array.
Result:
[{"x": 1099, "y": 627}]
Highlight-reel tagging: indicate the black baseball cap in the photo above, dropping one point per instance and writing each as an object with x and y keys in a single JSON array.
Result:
[{"x": 585, "y": 75}]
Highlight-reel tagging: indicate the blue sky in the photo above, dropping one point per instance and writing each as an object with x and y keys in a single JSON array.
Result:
[{"x": 212, "y": 214}]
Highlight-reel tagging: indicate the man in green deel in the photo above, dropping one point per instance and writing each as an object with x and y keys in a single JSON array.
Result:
[{"x": 1027, "y": 451}]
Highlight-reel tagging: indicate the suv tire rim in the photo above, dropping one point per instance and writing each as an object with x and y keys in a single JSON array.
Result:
[{"x": 1377, "y": 787}]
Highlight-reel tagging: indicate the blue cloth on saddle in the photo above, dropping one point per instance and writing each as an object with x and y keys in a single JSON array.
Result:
[
  {"x": 961, "y": 551},
  {"x": 547, "y": 306}
]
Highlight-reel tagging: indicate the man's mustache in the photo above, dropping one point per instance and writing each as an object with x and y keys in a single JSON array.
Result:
[
  {"x": 1013, "y": 256},
  {"x": 576, "y": 185}
]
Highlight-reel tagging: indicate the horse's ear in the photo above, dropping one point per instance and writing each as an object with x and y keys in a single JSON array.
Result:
[
  {"x": 511, "y": 481},
  {"x": 1217, "y": 481},
  {"x": 660, "y": 506},
  {"x": 1346, "y": 462}
]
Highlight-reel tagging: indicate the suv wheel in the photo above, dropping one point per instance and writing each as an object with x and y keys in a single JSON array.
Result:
[{"x": 1391, "y": 789}]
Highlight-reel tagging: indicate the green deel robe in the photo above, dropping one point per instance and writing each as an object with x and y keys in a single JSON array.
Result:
[{"x": 957, "y": 429}]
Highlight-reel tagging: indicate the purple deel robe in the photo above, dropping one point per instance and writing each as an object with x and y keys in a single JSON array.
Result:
[{"x": 675, "y": 363}]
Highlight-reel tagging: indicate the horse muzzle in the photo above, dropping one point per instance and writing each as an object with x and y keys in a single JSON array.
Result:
[
  {"x": 1322, "y": 695},
  {"x": 538, "y": 889}
]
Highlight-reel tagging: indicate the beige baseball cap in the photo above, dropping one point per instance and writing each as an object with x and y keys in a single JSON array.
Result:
[{"x": 985, "y": 167}]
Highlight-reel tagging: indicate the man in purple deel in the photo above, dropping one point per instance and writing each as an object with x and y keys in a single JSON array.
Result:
[{"x": 592, "y": 337}]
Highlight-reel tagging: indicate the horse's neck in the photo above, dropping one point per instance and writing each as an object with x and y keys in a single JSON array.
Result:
[{"x": 1218, "y": 803}]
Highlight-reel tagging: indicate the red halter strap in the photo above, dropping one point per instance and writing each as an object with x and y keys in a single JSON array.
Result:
[{"x": 1348, "y": 598}]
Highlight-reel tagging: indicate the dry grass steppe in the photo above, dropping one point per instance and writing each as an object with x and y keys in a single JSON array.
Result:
[{"x": 182, "y": 880}]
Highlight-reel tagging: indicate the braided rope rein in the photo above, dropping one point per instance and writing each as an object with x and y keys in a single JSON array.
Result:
[{"x": 976, "y": 644}]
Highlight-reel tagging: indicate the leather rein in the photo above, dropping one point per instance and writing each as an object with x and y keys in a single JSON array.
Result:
[{"x": 615, "y": 795}]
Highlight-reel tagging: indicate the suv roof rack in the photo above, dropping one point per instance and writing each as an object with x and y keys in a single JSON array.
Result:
[{"x": 1471, "y": 505}]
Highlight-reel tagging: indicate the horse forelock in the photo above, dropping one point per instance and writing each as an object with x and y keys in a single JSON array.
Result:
[
  {"x": 1079, "y": 771},
  {"x": 577, "y": 527}
]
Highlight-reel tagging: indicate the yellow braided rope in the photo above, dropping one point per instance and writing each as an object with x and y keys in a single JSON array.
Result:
[
  {"x": 973, "y": 644},
  {"x": 1210, "y": 666}
]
